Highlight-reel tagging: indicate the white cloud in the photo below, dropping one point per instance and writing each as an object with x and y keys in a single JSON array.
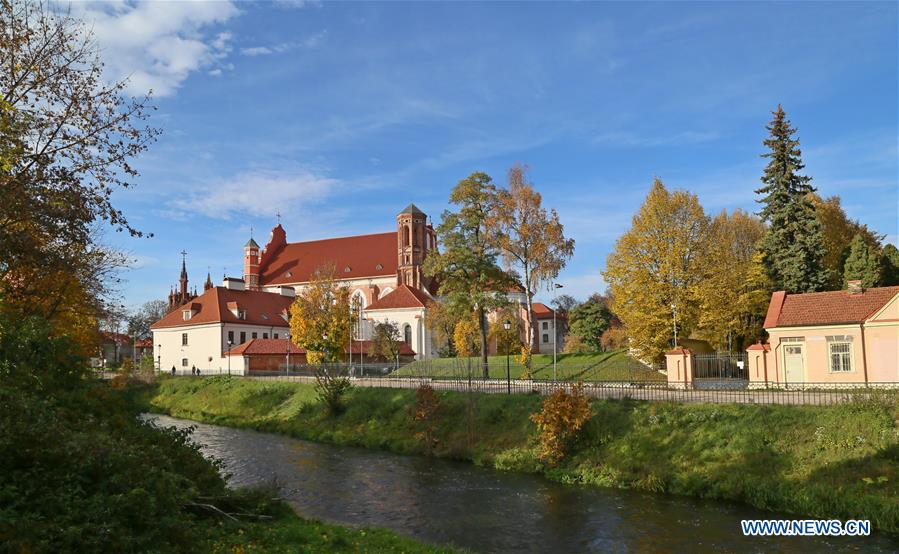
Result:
[
  {"x": 260, "y": 193},
  {"x": 312, "y": 41},
  {"x": 256, "y": 51},
  {"x": 631, "y": 140},
  {"x": 578, "y": 286},
  {"x": 157, "y": 45}
]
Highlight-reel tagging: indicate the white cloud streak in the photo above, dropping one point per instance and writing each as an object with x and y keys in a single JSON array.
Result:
[
  {"x": 308, "y": 43},
  {"x": 258, "y": 193}
]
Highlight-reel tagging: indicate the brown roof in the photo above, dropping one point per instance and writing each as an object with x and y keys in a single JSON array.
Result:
[
  {"x": 403, "y": 296},
  {"x": 262, "y": 308},
  {"x": 759, "y": 346},
  {"x": 826, "y": 308},
  {"x": 270, "y": 347},
  {"x": 352, "y": 258}
]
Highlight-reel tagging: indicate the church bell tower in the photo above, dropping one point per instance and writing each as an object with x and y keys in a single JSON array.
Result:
[{"x": 414, "y": 239}]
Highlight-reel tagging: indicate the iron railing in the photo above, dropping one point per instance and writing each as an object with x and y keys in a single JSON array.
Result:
[{"x": 818, "y": 394}]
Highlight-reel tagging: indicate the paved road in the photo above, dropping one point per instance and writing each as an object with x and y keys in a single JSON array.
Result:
[
  {"x": 637, "y": 391},
  {"x": 653, "y": 392}
]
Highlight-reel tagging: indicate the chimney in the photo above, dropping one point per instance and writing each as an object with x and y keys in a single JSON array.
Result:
[{"x": 854, "y": 287}]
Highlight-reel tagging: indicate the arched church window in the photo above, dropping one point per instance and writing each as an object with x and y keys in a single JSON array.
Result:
[
  {"x": 405, "y": 235},
  {"x": 407, "y": 334}
]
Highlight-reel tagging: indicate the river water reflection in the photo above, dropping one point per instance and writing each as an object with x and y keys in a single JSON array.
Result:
[{"x": 442, "y": 501}]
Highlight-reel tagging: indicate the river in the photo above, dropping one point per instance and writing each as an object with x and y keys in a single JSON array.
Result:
[{"x": 446, "y": 502}]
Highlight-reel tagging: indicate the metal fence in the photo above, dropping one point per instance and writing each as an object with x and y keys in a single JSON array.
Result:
[{"x": 817, "y": 394}]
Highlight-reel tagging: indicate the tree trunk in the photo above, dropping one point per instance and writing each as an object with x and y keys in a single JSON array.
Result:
[
  {"x": 482, "y": 323},
  {"x": 530, "y": 333}
]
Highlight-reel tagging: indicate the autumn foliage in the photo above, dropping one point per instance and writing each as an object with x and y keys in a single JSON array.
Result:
[
  {"x": 563, "y": 415},
  {"x": 424, "y": 414}
]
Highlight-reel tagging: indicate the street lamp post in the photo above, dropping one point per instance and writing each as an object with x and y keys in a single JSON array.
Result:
[
  {"x": 159, "y": 358},
  {"x": 507, "y": 325},
  {"x": 229, "y": 356},
  {"x": 555, "y": 334}
]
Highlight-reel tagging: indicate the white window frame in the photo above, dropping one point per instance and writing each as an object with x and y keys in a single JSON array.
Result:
[
  {"x": 184, "y": 362},
  {"x": 848, "y": 356}
]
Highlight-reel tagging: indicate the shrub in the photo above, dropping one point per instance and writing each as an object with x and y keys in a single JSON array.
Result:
[
  {"x": 525, "y": 360},
  {"x": 424, "y": 414},
  {"x": 330, "y": 389},
  {"x": 613, "y": 339},
  {"x": 560, "y": 421},
  {"x": 576, "y": 345}
]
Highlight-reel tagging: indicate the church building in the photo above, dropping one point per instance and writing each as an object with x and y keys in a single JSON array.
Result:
[{"x": 383, "y": 272}]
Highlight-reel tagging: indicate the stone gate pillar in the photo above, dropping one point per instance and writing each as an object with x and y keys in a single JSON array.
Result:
[
  {"x": 679, "y": 363},
  {"x": 757, "y": 365}
]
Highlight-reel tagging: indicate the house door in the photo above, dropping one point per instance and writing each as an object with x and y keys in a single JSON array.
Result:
[{"x": 794, "y": 363}]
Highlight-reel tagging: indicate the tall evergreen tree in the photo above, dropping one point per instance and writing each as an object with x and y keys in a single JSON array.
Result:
[
  {"x": 863, "y": 263},
  {"x": 890, "y": 265},
  {"x": 792, "y": 247}
]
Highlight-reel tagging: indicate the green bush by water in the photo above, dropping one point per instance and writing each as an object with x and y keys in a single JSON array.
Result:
[{"x": 837, "y": 461}]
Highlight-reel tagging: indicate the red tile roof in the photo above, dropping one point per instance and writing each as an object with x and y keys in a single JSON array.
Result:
[
  {"x": 403, "y": 296},
  {"x": 352, "y": 258},
  {"x": 262, "y": 308},
  {"x": 257, "y": 347},
  {"x": 542, "y": 311},
  {"x": 826, "y": 308},
  {"x": 145, "y": 343},
  {"x": 270, "y": 347},
  {"x": 679, "y": 350}
]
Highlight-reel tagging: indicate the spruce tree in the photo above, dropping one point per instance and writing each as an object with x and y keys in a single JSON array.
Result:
[
  {"x": 890, "y": 264},
  {"x": 792, "y": 246},
  {"x": 863, "y": 263}
]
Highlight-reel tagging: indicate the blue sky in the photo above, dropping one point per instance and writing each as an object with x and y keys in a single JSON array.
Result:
[{"x": 337, "y": 115}]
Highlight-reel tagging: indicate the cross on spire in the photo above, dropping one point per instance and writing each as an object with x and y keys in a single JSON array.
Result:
[{"x": 278, "y": 215}]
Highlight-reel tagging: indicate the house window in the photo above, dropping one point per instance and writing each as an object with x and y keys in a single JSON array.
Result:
[
  {"x": 545, "y": 325},
  {"x": 241, "y": 314},
  {"x": 276, "y": 335},
  {"x": 230, "y": 337},
  {"x": 545, "y": 337},
  {"x": 407, "y": 334},
  {"x": 839, "y": 347},
  {"x": 185, "y": 315},
  {"x": 183, "y": 339},
  {"x": 183, "y": 362},
  {"x": 265, "y": 335},
  {"x": 243, "y": 337},
  {"x": 255, "y": 335}
]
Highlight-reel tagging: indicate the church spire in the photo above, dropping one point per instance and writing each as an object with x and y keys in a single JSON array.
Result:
[
  {"x": 183, "y": 280},
  {"x": 208, "y": 284}
]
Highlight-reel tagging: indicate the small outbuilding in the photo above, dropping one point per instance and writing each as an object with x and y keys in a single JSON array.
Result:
[{"x": 837, "y": 337}]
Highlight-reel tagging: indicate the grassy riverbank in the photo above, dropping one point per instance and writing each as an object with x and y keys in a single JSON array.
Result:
[
  {"x": 839, "y": 461},
  {"x": 79, "y": 472},
  {"x": 615, "y": 365}
]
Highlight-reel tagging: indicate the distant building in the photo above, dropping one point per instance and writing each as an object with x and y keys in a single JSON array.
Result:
[{"x": 382, "y": 271}]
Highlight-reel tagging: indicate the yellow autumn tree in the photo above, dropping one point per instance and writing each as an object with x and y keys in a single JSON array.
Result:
[
  {"x": 659, "y": 263},
  {"x": 466, "y": 336},
  {"x": 725, "y": 321},
  {"x": 320, "y": 318}
]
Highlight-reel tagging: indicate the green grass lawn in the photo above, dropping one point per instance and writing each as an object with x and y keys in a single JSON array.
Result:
[
  {"x": 616, "y": 365},
  {"x": 290, "y": 533},
  {"x": 819, "y": 461}
]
